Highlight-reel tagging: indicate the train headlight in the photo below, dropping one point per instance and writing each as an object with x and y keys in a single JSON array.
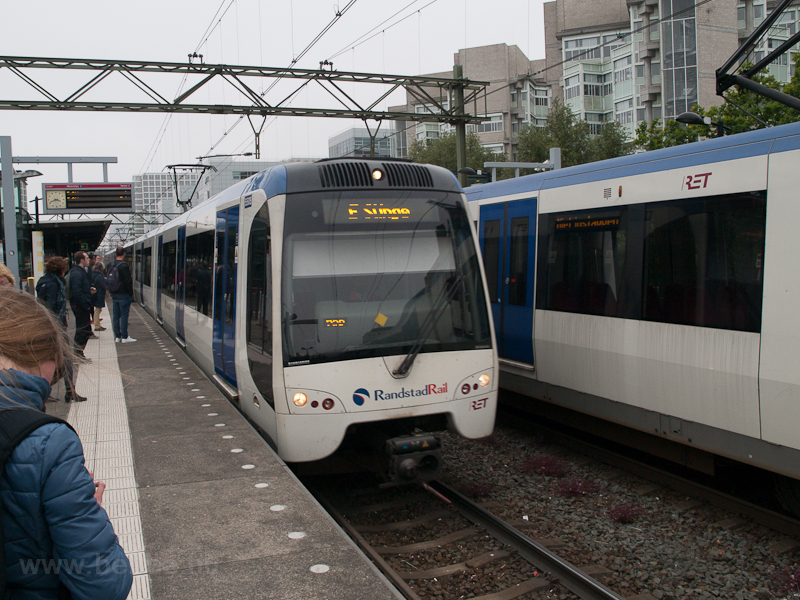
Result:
[
  {"x": 377, "y": 174},
  {"x": 300, "y": 399},
  {"x": 484, "y": 380}
]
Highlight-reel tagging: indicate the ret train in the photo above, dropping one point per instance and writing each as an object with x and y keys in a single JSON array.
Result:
[
  {"x": 333, "y": 298},
  {"x": 660, "y": 292}
]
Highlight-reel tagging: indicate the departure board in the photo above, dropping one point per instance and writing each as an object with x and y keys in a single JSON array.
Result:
[{"x": 75, "y": 198}]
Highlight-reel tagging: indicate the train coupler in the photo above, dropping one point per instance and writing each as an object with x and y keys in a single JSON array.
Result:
[{"x": 413, "y": 459}]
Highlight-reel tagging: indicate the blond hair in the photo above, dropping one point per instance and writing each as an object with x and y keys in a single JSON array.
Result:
[
  {"x": 30, "y": 335},
  {"x": 6, "y": 272}
]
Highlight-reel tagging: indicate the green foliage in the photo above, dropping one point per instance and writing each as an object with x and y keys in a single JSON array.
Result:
[
  {"x": 768, "y": 112},
  {"x": 442, "y": 151},
  {"x": 566, "y": 131},
  {"x": 653, "y": 137}
]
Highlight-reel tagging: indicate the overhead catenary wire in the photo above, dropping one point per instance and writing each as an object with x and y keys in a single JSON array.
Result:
[
  {"x": 168, "y": 118},
  {"x": 339, "y": 14},
  {"x": 358, "y": 42}
]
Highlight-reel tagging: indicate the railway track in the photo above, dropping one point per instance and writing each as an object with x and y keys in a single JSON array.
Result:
[
  {"x": 448, "y": 546},
  {"x": 784, "y": 524}
]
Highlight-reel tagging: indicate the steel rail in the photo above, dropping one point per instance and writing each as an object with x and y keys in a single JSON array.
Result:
[
  {"x": 402, "y": 587},
  {"x": 566, "y": 574}
]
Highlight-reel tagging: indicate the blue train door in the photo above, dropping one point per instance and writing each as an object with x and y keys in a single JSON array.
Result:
[
  {"x": 508, "y": 243},
  {"x": 224, "y": 340},
  {"x": 159, "y": 271},
  {"x": 180, "y": 284}
]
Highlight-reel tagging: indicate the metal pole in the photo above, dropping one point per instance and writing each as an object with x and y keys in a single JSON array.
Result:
[
  {"x": 555, "y": 157},
  {"x": 69, "y": 172},
  {"x": 105, "y": 172},
  {"x": 461, "y": 127},
  {"x": 9, "y": 207}
]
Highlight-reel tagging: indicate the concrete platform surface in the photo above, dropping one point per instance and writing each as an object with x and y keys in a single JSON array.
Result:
[{"x": 201, "y": 504}]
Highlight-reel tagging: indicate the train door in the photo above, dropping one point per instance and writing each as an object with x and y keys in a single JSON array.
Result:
[
  {"x": 508, "y": 235},
  {"x": 180, "y": 284},
  {"x": 224, "y": 340},
  {"x": 159, "y": 282},
  {"x": 140, "y": 273}
]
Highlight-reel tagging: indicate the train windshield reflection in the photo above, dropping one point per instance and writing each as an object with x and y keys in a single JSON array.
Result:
[{"x": 362, "y": 274}]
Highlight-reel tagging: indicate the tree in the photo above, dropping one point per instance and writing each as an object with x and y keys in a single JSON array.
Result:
[
  {"x": 612, "y": 141},
  {"x": 653, "y": 137},
  {"x": 442, "y": 151},
  {"x": 563, "y": 130},
  {"x": 768, "y": 112},
  {"x": 566, "y": 131}
]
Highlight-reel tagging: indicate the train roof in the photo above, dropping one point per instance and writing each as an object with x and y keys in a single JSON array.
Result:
[
  {"x": 753, "y": 143},
  {"x": 331, "y": 174}
]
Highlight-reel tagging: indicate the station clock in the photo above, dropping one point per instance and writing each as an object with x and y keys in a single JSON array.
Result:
[{"x": 56, "y": 199}]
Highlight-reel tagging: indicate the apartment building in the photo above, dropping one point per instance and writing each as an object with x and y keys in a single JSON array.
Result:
[{"x": 627, "y": 61}]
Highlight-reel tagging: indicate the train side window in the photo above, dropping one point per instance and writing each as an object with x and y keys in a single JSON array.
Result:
[
  {"x": 518, "y": 268},
  {"x": 199, "y": 264},
  {"x": 147, "y": 265},
  {"x": 491, "y": 257},
  {"x": 168, "y": 262},
  {"x": 704, "y": 261},
  {"x": 582, "y": 262},
  {"x": 259, "y": 305}
]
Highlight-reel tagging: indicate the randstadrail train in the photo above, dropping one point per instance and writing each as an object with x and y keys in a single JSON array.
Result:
[
  {"x": 333, "y": 301},
  {"x": 659, "y": 292}
]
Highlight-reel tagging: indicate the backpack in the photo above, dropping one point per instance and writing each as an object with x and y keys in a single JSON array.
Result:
[
  {"x": 113, "y": 282},
  {"x": 16, "y": 424}
]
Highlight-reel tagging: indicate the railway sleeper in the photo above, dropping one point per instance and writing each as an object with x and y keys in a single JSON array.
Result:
[{"x": 472, "y": 563}]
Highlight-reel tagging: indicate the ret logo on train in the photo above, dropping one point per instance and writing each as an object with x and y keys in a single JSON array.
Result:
[{"x": 361, "y": 395}]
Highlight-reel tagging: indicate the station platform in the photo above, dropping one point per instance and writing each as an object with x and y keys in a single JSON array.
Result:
[{"x": 201, "y": 504}]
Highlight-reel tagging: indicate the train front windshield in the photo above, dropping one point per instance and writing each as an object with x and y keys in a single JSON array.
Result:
[{"x": 367, "y": 276}]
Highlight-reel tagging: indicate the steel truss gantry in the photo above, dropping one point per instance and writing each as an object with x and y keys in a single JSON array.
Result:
[{"x": 440, "y": 95}]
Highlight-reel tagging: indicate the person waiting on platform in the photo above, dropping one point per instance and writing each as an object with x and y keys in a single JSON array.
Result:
[
  {"x": 120, "y": 286},
  {"x": 6, "y": 278},
  {"x": 99, "y": 298},
  {"x": 58, "y": 539},
  {"x": 51, "y": 290},
  {"x": 81, "y": 302}
]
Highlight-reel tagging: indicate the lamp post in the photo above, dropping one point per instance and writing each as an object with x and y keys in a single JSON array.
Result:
[{"x": 691, "y": 118}]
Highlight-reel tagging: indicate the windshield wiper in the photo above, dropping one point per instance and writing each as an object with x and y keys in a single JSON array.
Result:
[{"x": 427, "y": 327}]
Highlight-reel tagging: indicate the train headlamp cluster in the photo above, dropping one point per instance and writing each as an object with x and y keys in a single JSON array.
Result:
[
  {"x": 468, "y": 387},
  {"x": 377, "y": 174},
  {"x": 301, "y": 399}
]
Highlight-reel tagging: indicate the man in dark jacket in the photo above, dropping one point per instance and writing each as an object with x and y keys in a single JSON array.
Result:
[
  {"x": 52, "y": 292},
  {"x": 122, "y": 297},
  {"x": 81, "y": 301}
]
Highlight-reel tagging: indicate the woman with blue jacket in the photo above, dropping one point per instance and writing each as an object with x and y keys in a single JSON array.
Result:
[{"x": 56, "y": 533}]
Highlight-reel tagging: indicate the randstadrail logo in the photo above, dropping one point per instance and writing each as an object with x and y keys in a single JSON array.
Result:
[{"x": 360, "y": 396}]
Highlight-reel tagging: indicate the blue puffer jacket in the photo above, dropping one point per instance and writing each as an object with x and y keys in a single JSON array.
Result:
[{"x": 52, "y": 523}]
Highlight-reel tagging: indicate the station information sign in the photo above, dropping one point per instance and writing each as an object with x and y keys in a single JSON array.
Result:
[{"x": 77, "y": 198}]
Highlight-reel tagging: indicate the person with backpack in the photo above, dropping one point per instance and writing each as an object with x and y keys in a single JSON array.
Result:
[
  {"x": 99, "y": 299},
  {"x": 57, "y": 540},
  {"x": 51, "y": 290},
  {"x": 119, "y": 283}
]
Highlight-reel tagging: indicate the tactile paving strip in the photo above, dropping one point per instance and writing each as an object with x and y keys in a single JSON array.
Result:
[{"x": 102, "y": 424}]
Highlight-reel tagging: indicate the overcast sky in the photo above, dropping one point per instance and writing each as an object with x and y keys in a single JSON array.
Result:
[{"x": 250, "y": 33}]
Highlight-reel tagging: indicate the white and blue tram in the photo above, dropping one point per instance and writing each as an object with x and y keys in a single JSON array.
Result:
[
  {"x": 658, "y": 291},
  {"x": 327, "y": 298}
]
